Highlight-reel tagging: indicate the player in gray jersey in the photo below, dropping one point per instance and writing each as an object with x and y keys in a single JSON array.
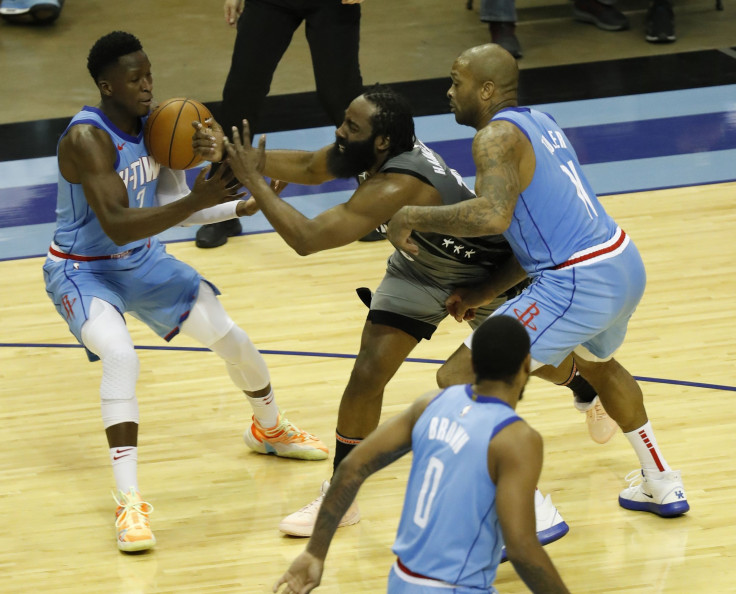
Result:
[{"x": 377, "y": 140}]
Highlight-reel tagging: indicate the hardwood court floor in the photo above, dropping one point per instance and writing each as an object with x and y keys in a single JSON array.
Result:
[{"x": 218, "y": 505}]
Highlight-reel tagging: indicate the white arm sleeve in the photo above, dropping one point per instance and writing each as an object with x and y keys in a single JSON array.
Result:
[{"x": 172, "y": 186}]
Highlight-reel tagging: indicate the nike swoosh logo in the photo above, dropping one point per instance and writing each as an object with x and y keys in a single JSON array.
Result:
[
  {"x": 120, "y": 146},
  {"x": 121, "y": 451},
  {"x": 118, "y": 457},
  {"x": 650, "y": 496}
]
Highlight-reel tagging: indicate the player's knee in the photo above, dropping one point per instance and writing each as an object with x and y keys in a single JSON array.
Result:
[
  {"x": 245, "y": 364},
  {"x": 120, "y": 369},
  {"x": 117, "y": 390},
  {"x": 368, "y": 372}
]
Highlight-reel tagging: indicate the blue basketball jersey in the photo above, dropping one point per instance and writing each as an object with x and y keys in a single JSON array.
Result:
[
  {"x": 77, "y": 229},
  {"x": 558, "y": 216},
  {"x": 449, "y": 529}
]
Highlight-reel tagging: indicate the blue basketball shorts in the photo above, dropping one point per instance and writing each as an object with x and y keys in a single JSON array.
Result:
[
  {"x": 155, "y": 288},
  {"x": 588, "y": 305}
]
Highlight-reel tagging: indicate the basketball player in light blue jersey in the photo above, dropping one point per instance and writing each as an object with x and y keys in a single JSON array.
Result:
[
  {"x": 471, "y": 485},
  {"x": 105, "y": 261},
  {"x": 587, "y": 275}
]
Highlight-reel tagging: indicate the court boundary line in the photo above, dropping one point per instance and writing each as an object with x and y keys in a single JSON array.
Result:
[{"x": 655, "y": 380}]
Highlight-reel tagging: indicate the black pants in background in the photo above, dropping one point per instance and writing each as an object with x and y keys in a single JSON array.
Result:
[{"x": 264, "y": 32}]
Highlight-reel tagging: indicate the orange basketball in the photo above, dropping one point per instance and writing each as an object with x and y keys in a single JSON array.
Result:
[{"x": 168, "y": 132}]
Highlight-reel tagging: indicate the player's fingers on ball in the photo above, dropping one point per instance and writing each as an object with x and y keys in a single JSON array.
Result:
[{"x": 236, "y": 136}]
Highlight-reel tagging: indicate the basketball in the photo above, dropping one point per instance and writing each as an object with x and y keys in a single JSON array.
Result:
[{"x": 168, "y": 132}]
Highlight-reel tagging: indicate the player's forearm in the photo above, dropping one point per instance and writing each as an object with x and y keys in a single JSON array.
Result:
[
  {"x": 508, "y": 275},
  {"x": 132, "y": 224},
  {"x": 471, "y": 218},
  {"x": 286, "y": 220},
  {"x": 538, "y": 572},
  {"x": 343, "y": 490},
  {"x": 298, "y": 167}
]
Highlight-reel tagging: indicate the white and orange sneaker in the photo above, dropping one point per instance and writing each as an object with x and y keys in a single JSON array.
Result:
[
  {"x": 301, "y": 523},
  {"x": 286, "y": 440},
  {"x": 601, "y": 427},
  {"x": 131, "y": 522}
]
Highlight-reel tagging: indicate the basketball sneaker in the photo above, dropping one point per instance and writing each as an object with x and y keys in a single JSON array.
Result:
[
  {"x": 660, "y": 493},
  {"x": 285, "y": 440},
  {"x": 601, "y": 427},
  {"x": 301, "y": 523},
  {"x": 131, "y": 522},
  {"x": 550, "y": 525}
]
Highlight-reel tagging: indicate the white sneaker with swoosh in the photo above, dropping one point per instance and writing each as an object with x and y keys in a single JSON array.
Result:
[{"x": 660, "y": 493}]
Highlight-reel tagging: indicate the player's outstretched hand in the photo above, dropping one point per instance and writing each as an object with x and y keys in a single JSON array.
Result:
[
  {"x": 303, "y": 576},
  {"x": 250, "y": 207},
  {"x": 221, "y": 187},
  {"x": 207, "y": 141},
  {"x": 399, "y": 233},
  {"x": 245, "y": 161}
]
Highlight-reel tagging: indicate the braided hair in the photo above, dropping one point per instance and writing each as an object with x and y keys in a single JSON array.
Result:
[
  {"x": 108, "y": 49},
  {"x": 393, "y": 118}
]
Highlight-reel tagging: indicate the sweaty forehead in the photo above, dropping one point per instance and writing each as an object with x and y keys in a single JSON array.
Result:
[
  {"x": 135, "y": 61},
  {"x": 361, "y": 111},
  {"x": 461, "y": 68}
]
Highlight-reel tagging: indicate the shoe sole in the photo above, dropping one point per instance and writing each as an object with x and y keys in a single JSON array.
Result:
[
  {"x": 206, "y": 245},
  {"x": 668, "y": 510},
  {"x": 585, "y": 17},
  {"x": 545, "y": 537},
  {"x": 137, "y": 546},
  {"x": 268, "y": 449},
  {"x": 660, "y": 38},
  {"x": 306, "y": 531}
]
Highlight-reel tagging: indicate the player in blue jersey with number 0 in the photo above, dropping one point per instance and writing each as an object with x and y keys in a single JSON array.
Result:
[
  {"x": 587, "y": 275},
  {"x": 471, "y": 485}
]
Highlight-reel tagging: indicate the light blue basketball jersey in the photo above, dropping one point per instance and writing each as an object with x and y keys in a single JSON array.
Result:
[
  {"x": 558, "y": 215},
  {"x": 449, "y": 529},
  {"x": 78, "y": 230},
  {"x": 83, "y": 263}
]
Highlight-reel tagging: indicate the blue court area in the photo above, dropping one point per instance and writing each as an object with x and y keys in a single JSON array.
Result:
[{"x": 625, "y": 144}]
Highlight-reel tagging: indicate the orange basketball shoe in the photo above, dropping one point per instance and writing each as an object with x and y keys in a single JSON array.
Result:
[
  {"x": 285, "y": 440},
  {"x": 131, "y": 522}
]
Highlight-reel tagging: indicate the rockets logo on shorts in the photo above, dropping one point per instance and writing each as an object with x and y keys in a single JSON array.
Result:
[
  {"x": 527, "y": 316},
  {"x": 68, "y": 306}
]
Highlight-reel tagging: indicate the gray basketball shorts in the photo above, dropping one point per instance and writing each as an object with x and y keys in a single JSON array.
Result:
[{"x": 406, "y": 301}]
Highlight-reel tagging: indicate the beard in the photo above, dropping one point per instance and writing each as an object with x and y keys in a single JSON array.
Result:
[{"x": 355, "y": 158}]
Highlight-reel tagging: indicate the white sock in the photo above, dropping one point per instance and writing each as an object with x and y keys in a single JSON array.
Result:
[
  {"x": 125, "y": 467},
  {"x": 265, "y": 410},
  {"x": 646, "y": 448}
]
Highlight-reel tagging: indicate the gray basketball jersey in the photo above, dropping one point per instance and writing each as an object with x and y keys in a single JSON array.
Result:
[{"x": 444, "y": 260}]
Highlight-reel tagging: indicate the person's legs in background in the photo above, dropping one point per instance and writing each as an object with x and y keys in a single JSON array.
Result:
[
  {"x": 660, "y": 22},
  {"x": 264, "y": 33},
  {"x": 501, "y": 18},
  {"x": 601, "y": 13}
]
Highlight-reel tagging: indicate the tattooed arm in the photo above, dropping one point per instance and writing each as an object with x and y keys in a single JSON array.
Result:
[
  {"x": 498, "y": 151},
  {"x": 386, "y": 444}
]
